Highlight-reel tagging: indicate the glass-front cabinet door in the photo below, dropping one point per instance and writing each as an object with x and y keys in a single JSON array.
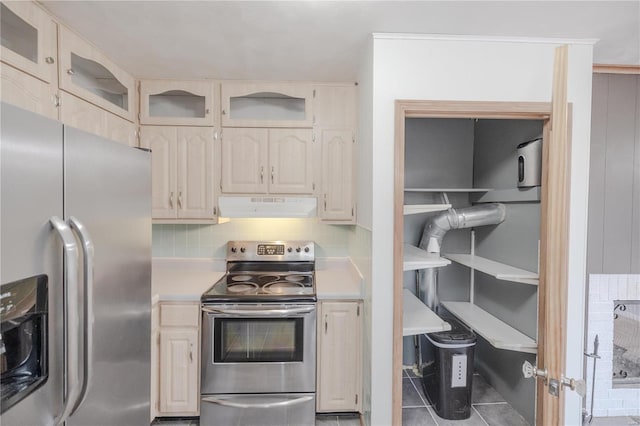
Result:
[
  {"x": 88, "y": 74},
  {"x": 28, "y": 39},
  {"x": 177, "y": 103},
  {"x": 266, "y": 105}
]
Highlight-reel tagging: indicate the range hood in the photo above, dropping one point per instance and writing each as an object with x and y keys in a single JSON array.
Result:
[{"x": 267, "y": 206}]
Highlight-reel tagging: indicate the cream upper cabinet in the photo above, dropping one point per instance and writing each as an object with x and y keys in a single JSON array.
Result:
[
  {"x": 88, "y": 74},
  {"x": 195, "y": 172},
  {"x": 266, "y": 104},
  {"x": 334, "y": 123},
  {"x": 27, "y": 92},
  {"x": 274, "y": 161},
  {"x": 180, "y": 103},
  {"x": 336, "y": 202},
  {"x": 290, "y": 161},
  {"x": 339, "y": 372},
  {"x": 28, "y": 39},
  {"x": 334, "y": 106},
  {"x": 244, "y": 161},
  {"x": 83, "y": 115},
  {"x": 182, "y": 171},
  {"x": 179, "y": 386}
]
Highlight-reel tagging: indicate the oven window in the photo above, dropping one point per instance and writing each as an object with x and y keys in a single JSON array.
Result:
[{"x": 258, "y": 340}]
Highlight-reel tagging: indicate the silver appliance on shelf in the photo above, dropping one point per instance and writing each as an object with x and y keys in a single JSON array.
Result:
[
  {"x": 76, "y": 215},
  {"x": 259, "y": 337}
]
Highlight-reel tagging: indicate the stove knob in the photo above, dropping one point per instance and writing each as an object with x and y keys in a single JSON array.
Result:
[
  {"x": 306, "y": 249},
  {"x": 290, "y": 249},
  {"x": 233, "y": 249},
  {"x": 298, "y": 250},
  {"x": 242, "y": 249}
]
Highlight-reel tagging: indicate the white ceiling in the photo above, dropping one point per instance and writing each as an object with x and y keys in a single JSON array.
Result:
[{"x": 322, "y": 40}]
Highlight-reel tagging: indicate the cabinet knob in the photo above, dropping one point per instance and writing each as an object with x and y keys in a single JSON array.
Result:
[
  {"x": 49, "y": 60},
  {"x": 70, "y": 71},
  {"x": 206, "y": 111},
  {"x": 224, "y": 112}
]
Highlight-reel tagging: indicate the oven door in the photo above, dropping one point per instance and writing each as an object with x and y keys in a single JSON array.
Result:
[{"x": 258, "y": 348}]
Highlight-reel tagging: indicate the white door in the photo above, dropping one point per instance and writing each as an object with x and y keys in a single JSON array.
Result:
[
  {"x": 244, "y": 161},
  {"x": 162, "y": 143},
  {"x": 195, "y": 172},
  {"x": 290, "y": 161}
]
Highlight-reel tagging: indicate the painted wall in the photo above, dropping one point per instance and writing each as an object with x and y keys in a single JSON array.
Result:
[
  {"x": 209, "y": 241},
  {"x": 457, "y": 68}
]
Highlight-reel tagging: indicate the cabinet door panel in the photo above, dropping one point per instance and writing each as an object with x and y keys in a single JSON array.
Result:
[
  {"x": 266, "y": 104},
  {"x": 195, "y": 172},
  {"x": 334, "y": 107},
  {"x": 290, "y": 161},
  {"x": 27, "y": 92},
  {"x": 82, "y": 115},
  {"x": 339, "y": 357},
  {"x": 120, "y": 130},
  {"x": 184, "y": 103},
  {"x": 337, "y": 175},
  {"x": 179, "y": 371},
  {"x": 90, "y": 75},
  {"x": 162, "y": 143},
  {"x": 244, "y": 161},
  {"x": 28, "y": 39}
]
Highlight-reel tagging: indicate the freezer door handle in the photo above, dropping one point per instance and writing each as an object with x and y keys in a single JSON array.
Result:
[
  {"x": 89, "y": 319},
  {"x": 70, "y": 282},
  {"x": 284, "y": 403}
]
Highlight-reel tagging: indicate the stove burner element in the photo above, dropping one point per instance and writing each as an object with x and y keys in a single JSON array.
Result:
[
  {"x": 283, "y": 287},
  {"x": 241, "y": 278},
  {"x": 243, "y": 287},
  {"x": 294, "y": 278}
]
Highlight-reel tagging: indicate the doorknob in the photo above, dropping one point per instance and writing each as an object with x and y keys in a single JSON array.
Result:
[
  {"x": 575, "y": 385},
  {"x": 529, "y": 371}
]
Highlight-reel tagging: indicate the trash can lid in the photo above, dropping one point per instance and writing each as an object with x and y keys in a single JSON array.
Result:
[{"x": 458, "y": 335}]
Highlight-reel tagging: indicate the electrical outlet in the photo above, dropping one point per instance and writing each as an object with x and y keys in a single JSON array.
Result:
[{"x": 458, "y": 371}]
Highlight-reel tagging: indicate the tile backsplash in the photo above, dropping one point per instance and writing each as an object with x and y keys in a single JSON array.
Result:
[{"x": 209, "y": 241}]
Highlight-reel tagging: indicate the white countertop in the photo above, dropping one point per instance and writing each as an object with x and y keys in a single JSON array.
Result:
[
  {"x": 184, "y": 279},
  {"x": 338, "y": 278},
  {"x": 177, "y": 279}
]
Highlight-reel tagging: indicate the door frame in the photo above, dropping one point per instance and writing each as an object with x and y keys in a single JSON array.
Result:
[{"x": 554, "y": 241}]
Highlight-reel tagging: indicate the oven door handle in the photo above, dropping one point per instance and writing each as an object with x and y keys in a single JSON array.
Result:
[
  {"x": 260, "y": 312},
  {"x": 284, "y": 403}
]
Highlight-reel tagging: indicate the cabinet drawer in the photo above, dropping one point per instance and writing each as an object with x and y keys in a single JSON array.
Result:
[{"x": 179, "y": 315}]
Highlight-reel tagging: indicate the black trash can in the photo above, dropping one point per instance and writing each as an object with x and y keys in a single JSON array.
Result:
[{"x": 447, "y": 379}]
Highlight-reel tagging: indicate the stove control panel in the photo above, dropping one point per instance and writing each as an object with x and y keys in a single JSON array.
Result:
[{"x": 271, "y": 250}]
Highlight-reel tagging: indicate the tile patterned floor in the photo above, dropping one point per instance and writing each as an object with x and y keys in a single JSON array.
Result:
[{"x": 488, "y": 408}]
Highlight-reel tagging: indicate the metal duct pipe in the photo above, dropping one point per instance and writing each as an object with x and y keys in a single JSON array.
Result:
[
  {"x": 435, "y": 230},
  {"x": 468, "y": 217}
]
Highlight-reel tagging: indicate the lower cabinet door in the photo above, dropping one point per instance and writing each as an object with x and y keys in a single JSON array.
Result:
[
  {"x": 179, "y": 371},
  {"x": 276, "y": 409},
  {"x": 339, "y": 357}
]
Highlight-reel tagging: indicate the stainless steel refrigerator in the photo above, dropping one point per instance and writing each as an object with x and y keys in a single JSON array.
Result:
[{"x": 76, "y": 211}]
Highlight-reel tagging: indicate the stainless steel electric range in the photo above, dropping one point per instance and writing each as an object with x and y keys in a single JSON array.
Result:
[{"x": 259, "y": 337}]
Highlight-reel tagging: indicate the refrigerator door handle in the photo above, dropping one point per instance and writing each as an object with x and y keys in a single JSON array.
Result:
[
  {"x": 88, "y": 274},
  {"x": 70, "y": 282}
]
